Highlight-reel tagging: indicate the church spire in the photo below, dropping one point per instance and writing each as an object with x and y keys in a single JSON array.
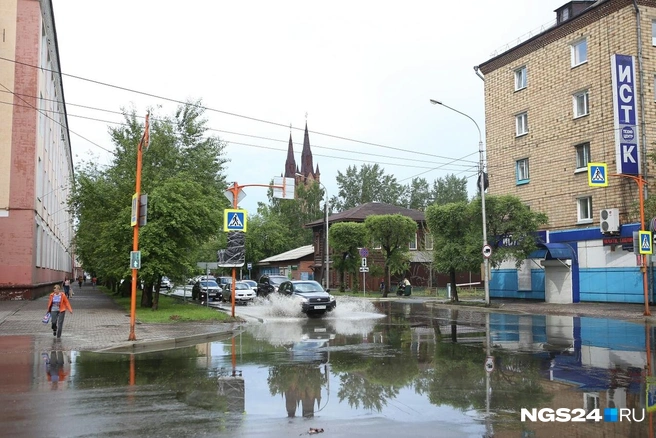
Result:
[
  {"x": 290, "y": 163},
  {"x": 307, "y": 167}
]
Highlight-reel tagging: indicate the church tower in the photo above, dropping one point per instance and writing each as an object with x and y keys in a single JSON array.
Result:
[{"x": 309, "y": 174}]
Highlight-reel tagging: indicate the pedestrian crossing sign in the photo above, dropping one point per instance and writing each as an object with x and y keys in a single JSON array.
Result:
[
  {"x": 234, "y": 220},
  {"x": 597, "y": 175},
  {"x": 645, "y": 242}
]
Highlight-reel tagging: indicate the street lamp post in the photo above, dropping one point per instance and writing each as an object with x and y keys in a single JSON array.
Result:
[
  {"x": 481, "y": 153},
  {"x": 325, "y": 229}
]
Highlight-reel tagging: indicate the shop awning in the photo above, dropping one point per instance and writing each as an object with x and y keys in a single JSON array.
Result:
[{"x": 552, "y": 251}]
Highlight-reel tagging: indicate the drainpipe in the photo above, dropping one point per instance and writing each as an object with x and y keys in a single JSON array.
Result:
[{"x": 643, "y": 131}]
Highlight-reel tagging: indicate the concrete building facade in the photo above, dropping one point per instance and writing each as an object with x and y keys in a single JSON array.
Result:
[
  {"x": 555, "y": 103},
  {"x": 36, "y": 167}
]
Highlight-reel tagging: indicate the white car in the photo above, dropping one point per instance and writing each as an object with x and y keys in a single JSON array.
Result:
[{"x": 243, "y": 293}]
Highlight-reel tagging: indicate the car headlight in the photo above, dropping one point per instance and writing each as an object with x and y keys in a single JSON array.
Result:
[
  {"x": 332, "y": 298},
  {"x": 303, "y": 299}
]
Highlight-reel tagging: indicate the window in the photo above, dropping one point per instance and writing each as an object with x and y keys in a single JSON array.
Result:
[
  {"x": 581, "y": 104},
  {"x": 522, "y": 171},
  {"x": 582, "y": 155},
  {"x": 584, "y": 210},
  {"x": 520, "y": 78},
  {"x": 521, "y": 124},
  {"x": 579, "y": 52},
  {"x": 413, "y": 243},
  {"x": 653, "y": 32},
  {"x": 428, "y": 241}
]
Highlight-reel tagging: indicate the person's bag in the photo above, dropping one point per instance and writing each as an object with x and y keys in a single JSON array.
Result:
[{"x": 46, "y": 318}]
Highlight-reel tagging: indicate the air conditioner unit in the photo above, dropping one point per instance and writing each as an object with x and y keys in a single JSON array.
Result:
[{"x": 610, "y": 220}]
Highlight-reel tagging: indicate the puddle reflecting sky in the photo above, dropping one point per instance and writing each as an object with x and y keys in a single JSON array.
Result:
[{"x": 363, "y": 370}]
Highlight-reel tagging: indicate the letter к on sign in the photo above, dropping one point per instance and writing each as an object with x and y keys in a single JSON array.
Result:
[{"x": 234, "y": 220}]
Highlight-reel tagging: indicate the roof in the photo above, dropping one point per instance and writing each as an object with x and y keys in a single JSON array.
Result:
[
  {"x": 361, "y": 212},
  {"x": 553, "y": 251},
  {"x": 293, "y": 254},
  {"x": 593, "y": 13}
]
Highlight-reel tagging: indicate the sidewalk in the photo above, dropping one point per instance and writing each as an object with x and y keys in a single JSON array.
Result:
[{"x": 98, "y": 324}]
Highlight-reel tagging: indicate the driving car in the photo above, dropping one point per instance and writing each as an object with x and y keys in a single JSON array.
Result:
[
  {"x": 224, "y": 282},
  {"x": 243, "y": 293},
  {"x": 269, "y": 283},
  {"x": 206, "y": 289},
  {"x": 314, "y": 299}
]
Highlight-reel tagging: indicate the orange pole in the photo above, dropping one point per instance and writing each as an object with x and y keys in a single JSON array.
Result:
[
  {"x": 135, "y": 233},
  {"x": 643, "y": 268},
  {"x": 235, "y": 199}
]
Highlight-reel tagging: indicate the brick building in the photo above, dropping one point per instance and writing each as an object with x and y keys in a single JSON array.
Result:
[
  {"x": 581, "y": 91},
  {"x": 36, "y": 167}
]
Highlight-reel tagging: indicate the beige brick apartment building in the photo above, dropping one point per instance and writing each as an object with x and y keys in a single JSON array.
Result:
[
  {"x": 554, "y": 103},
  {"x": 36, "y": 167}
]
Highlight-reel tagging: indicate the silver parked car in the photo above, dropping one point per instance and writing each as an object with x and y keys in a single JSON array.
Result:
[{"x": 243, "y": 293}]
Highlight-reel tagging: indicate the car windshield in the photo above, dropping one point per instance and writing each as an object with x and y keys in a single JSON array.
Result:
[
  {"x": 250, "y": 283},
  {"x": 209, "y": 284},
  {"x": 241, "y": 286},
  {"x": 277, "y": 280},
  {"x": 308, "y": 286}
]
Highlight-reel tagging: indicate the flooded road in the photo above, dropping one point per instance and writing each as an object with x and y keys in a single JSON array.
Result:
[{"x": 381, "y": 369}]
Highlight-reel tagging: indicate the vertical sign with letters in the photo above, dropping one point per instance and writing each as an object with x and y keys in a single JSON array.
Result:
[{"x": 625, "y": 114}]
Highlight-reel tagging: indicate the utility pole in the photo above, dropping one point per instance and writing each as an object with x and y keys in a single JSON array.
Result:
[{"x": 145, "y": 139}]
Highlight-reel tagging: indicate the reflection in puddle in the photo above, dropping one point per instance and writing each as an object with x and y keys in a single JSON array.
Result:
[{"x": 373, "y": 370}]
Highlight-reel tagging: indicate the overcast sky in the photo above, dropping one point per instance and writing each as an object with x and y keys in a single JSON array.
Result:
[{"x": 360, "y": 70}]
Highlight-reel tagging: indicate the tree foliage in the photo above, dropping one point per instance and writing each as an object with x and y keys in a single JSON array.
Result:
[
  {"x": 346, "y": 238},
  {"x": 367, "y": 184},
  {"x": 182, "y": 175},
  {"x": 449, "y": 189},
  {"x": 458, "y": 233},
  {"x": 392, "y": 232}
]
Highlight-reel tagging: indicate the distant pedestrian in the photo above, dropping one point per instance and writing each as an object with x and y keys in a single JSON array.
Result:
[
  {"x": 79, "y": 281},
  {"x": 382, "y": 286},
  {"x": 67, "y": 287},
  {"x": 93, "y": 282},
  {"x": 58, "y": 304}
]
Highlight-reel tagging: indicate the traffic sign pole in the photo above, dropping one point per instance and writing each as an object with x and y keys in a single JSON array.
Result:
[{"x": 135, "y": 233}]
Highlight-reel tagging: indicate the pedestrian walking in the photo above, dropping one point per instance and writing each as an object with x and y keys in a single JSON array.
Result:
[
  {"x": 67, "y": 287},
  {"x": 58, "y": 304},
  {"x": 79, "y": 281},
  {"x": 93, "y": 282}
]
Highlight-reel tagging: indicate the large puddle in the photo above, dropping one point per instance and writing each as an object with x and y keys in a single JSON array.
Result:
[{"x": 362, "y": 370}]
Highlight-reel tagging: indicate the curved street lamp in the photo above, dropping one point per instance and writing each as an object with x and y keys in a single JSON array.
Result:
[{"x": 481, "y": 153}]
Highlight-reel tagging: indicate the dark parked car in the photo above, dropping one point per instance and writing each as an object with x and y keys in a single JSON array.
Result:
[
  {"x": 204, "y": 288},
  {"x": 269, "y": 283},
  {"x": 314, "y": 299}
]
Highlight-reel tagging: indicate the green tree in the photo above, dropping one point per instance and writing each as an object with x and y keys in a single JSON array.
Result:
[
  {"x": 393, "y": 232},
  {"x": 345, "y": 239},
  {"x": 182, "y": 174},
  {"x": 511, "y": 227},
  {"x": 456, "y": 242},
  {"x": 458, "y": 233},
  {"x": 418, "y": 194},
  {"x": 449, "y": 189},
  {"x": 367, "y": 184}
]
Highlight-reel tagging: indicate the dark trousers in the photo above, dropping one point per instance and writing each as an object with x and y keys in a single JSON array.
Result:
[{"x": 57, "y": 320}]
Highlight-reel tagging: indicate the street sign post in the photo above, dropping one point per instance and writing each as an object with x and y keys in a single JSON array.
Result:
[{"x": 135, "y": 259}]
